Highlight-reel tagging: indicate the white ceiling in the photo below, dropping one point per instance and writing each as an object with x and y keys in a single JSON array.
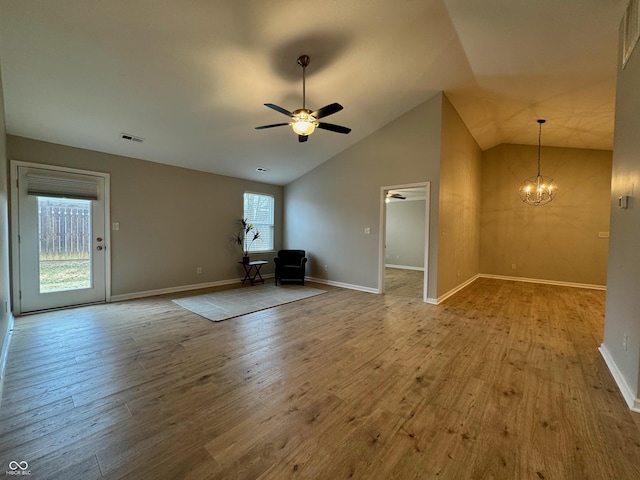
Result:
[{"x": 190, "y": 76}]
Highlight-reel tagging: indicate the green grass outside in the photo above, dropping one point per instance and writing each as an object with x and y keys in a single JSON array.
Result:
[{"x": 68, "y": 274}]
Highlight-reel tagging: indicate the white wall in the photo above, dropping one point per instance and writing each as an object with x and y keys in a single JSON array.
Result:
[
  {"x": 405, "y": 233},
  {"x": 622, "y": 316}
]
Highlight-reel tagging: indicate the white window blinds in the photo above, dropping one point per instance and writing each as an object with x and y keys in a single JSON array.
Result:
[
  {"x": 258, "y": 210},
  {"x": 62, "y": 186}
]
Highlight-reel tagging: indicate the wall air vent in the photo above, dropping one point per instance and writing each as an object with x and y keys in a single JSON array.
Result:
[
  {"x": 630, "y": 30},
  {"x": 131, "y": 138}
]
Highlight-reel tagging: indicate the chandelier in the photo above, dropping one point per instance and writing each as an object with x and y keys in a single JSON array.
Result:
[{"x": 538, "y": 190}]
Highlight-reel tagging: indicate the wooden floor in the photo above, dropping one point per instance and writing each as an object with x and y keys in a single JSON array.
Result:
[{"x": 502, "y": 381}]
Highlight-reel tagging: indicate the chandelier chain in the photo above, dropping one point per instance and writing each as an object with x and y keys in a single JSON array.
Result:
[{"x": 539, "y": 143}]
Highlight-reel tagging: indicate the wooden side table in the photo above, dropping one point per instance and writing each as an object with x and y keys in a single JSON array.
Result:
[{"x": 252, "y": 270}]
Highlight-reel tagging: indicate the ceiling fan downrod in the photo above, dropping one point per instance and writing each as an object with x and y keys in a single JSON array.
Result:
[{"x": 303, "y": 61}]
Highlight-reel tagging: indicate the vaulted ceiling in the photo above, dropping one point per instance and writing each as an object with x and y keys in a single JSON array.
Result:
[{"x": 190, "y": 77}]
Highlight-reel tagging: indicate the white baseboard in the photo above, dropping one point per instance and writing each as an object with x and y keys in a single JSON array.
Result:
[
  {"x": 182, "y": 288},
  {"x": 629, "y": 396},
  {"x": 546, "y": 282},
  {"x": 342, "y": 285},
  {"x": 453, "y": 291},
  {"x": 5, "y": 352},
  {"x": 404, "y": 267}
]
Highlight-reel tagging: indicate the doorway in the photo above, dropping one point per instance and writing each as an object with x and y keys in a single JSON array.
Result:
[
  {"x": 404, "y": 240},
  {"x": 59, "y": 220}
]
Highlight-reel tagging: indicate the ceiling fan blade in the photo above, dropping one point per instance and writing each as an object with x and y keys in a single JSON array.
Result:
[
  {"x": 327, "y": 110},
  {"x": 333, "y": 128},
  {"x": 279, "y": 109},
  {"x": 303, "y": 138},
  {"x": 271, "y": 126}
]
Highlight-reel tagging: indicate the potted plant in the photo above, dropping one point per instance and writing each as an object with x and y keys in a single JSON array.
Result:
[{"x": 245, "y": 238}]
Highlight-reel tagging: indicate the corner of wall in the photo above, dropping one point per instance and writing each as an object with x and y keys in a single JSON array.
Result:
[
  {"x": 459, "y": 203},
  {"x": 621, "y": 344},
  {"x": 6, "y": 318},
  {"x": 627, "y": 392}
]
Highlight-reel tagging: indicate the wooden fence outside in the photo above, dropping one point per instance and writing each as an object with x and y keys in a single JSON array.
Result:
[{"x": 64, "y": 229}]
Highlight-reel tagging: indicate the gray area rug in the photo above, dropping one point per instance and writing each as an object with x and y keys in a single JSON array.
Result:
[{"x": 227, "y": 304}]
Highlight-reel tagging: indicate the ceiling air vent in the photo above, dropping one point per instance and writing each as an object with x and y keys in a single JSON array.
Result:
[{"x": 131, "y": 138}]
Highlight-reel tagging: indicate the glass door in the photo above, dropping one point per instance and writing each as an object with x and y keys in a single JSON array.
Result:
[{"x": 61, "y": 239}]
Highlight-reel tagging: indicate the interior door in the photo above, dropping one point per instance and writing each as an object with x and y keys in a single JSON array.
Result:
[{"x": 61, "y": 239}]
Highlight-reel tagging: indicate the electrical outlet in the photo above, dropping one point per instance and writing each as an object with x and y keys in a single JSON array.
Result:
[
  {"x": 513, "y": 266},
  {"x": 198, "y": 270},
  {"x": 625, "y": 340},
  {"x": 326, "y": 268}
]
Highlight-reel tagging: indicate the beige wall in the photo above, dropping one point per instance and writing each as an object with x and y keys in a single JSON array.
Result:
[
  {"x": 460, "y": 166},
  {"x": 172, "y": 220},
  {"x": 558, "y": 241},
  {"x": 327, "y": 209},
  {"x": 623, "y": 281},
  {"x": 5, "y": 295}
]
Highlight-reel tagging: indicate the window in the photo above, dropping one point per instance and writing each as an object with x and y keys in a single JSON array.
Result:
[{"x": 258, "y": 210}]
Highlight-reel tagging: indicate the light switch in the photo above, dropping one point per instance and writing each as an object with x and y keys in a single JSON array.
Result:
[
  {"x": 367, "y": 230},
  {"x": 116, "y": 226},
  {"x": 623, "y": 201}
]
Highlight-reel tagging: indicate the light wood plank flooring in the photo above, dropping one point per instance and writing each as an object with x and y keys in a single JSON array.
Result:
[
  {"x": 404, "y": 283},
  {"x": 502, "y": 381}
]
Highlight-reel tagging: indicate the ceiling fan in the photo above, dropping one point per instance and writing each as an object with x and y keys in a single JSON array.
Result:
[
  {"x": 396, "y": 196},
  {"x": 304, "y": 121}
]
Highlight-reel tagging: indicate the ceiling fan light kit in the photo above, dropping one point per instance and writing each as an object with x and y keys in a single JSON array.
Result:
[
  {"x": 305, "y": 121},
  {"x": 538, "y": 190}
]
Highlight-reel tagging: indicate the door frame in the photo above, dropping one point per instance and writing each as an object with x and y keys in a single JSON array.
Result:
[
  {"x": 383, "y": 234},
  {"x": 15, "y": 219}
]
